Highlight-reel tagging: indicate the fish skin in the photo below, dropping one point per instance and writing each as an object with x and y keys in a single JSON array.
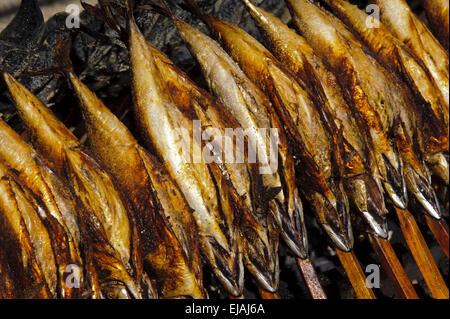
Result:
[
  {"x": 159, "y": 119},
  {"x": 438, "y": 16},
  {"x": 335, "y": 43},
  {"x": 259, "y": 232},
  {"x": 96, "y": 194},
  {"x": 432, "y": 134},
  {"x": 21, "y": 222},
  {"x": 251, "y": 114},
  {"x": 294, "y": 52},
  {"x": 380, "y": 40},
  {"x": 60, "y": 212},
  {"x": 408, "y": 28},
  {"x": 163, "y": 216}
]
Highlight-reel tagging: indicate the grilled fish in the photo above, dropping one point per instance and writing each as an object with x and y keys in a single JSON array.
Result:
[
  {"x": 290, "y": 101},
  {"x": 416, "y": 174},
  {"x": 438, "y": 17},
  {"x": 295, "y": 53},
  {"x": 258, "y": 227},
  {"x": 164, "y": 219},
  {"x": 60, "y": 207},
  {"x": 165, "y": 126},
  {"x": 102, "y": 203},
  {"x": 25, "y": 237},
  {"x": 406, "y": 26},
  {"x": 364, "y": 86}
]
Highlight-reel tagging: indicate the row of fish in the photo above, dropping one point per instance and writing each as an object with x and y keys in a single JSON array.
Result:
[{"x": 119, "y": 221}]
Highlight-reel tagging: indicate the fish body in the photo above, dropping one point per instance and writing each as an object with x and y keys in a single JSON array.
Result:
[
  {"x": 164, "y": 219},
  {"x": 295, "y": 53},
  {"x": 438, "y": 17},
  {"x": 408, "y": 28},
  {"x": 60, "y": 206},
  {"x": 22, "y": 228},
  {"x": 362, "y": 81},
  {"x": 164, "y": 125},
  {"x": 393, "y": 55},
  {"x": 101, "y": 203},
  {"x": 258, "y": 227}
]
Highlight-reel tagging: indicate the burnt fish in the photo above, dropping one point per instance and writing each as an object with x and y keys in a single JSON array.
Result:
[
  {"x": 163, "y": 217},
  {"x": 164, "y": 127},
  {"x": 60, "y": 213},
  {"x": 297, "y": 55},
  {"x": 102, "y": 202},
  {"x": 314, "y": 144},
  {"x": 25, "y": 241}
]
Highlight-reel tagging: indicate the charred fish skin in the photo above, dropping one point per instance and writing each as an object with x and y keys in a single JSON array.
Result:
[
  {"x": 20, "y": 221},
  {"x": 60, "y": 208},
  {"x": 299, "y": 57},
  {"x": 259, "y": 232},
  {"x": 290, "y": 211},
  {"x": 428, "y": 104},
  {"x": 438, "y": 16},
  {"x": 335, "y": 43},
  {"x": 416, "y": 175},
  {"x": 95, "y": 191},
  {"x": 166, "y": 219},
  {"x": 159, "y": 119},
  {"x": 408, "y": 28}
]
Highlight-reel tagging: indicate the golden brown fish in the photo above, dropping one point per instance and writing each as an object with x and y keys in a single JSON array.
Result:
[
  {"x": 259, "y": 232},
  {"x": 164, "y": 219},
  {"x": 102, "y": 203},
  {"x": 416, "y": 174},
  {"x": 25, "y": 240},
  {"x": 295, "y": 53},
  {"x": 438, "y": 17},
  {"x": 170, "y": 133},
  {"x": 60, "y": 208},
  {"x": 364, "y": 86},
  {"x": 406, "y": 26},
  {"x": 429, "y": 107}
]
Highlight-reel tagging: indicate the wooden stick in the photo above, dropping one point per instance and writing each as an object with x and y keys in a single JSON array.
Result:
[
  {"x": 422, "y": 255},
  {"x": 393, "y": 267},
  {"x": 233, "y": 297},
  {"x": 268, "y": 295},
  {"x": 439, "y": 228},
  {"x": 355, "y": 274},
  {"x": 311, "y": 279}
]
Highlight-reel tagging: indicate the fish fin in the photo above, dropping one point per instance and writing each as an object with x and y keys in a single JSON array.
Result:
[
  {"x": 192, "y": 7},
  {"x": 160, "y": 7}
]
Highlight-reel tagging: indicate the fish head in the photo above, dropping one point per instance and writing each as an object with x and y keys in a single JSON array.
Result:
[
  {"x": 332, "y": 211},
  {"x": 368, "y": 200},
  {"x": 394, "y": 183}
]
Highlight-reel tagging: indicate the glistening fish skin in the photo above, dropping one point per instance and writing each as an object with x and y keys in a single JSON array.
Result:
[
  {"x": 258, "y": 228},
  {"x": 431, "y": 132},
  {"x": 161, "y": 121},
  {"x": 60, "y": 210},
  {"x": 25, "y": 242},
  {"x": 99, "y": 197},
  {"x": 406, "y": 26},
  {"x": 164, "y": 219},
  {"x": 416, "y": 174},
  {"x": 295, "y": 53},
  {"x": 362, "y": 88},
  {"x": 312, "y": 142},
  {"x": 438, "y": 16}
]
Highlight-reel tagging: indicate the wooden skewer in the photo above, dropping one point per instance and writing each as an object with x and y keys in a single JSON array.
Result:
[
  {"x": 355, "y": 274},
  {"x": 393, "y": 267},
  {"x": 268, "y": 295},
  {"x": 422, "y": 255},
  {"x": 311, "y": 279},
  {"x": 439, "y": 228}
]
